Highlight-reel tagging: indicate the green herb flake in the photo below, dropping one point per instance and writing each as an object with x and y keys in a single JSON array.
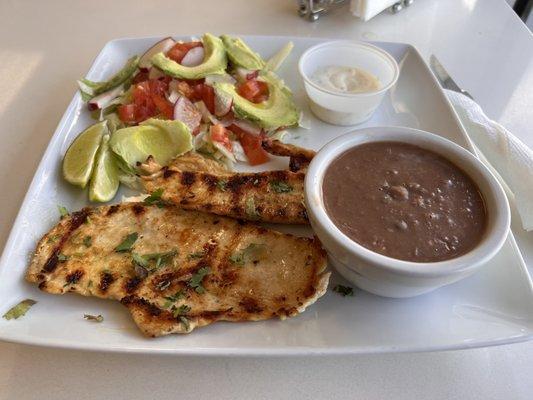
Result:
[
  {"x": 53, "y": 238},
  {"x": 246, "y": 254},
  {"x": 90, "y": 284},
  {"x": 280, "y": 187},
  {"x": 250, "y": 209},
  {"x": 237, "y": 258},
  {"x": 196, "y": 255},
  {"x": 221, "y": 185},
  {"x": 63, "y": 212},
  {"x": 127, "y": 243},
  {"x": 62, "y": 257},
  {"x": 175, "y": 297},
  {"x": 155, "y": 198},
  {"x": 94, "y": 318},
  {"x": 185, "y": 323},
  {"x": 343, "y": 290},
  {"x": 87, "y": 220},
  {"x": 181, "y": 310},
  {"x": 87, "y": 241},
  {"x": 167, "y": 304},
  {"x": 196, "y": 281},
  {"x": 19, "y": 310}
]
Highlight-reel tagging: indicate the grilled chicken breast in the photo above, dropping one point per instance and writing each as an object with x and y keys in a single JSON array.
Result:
[
  {"x": 176, "y": 270},
  {"x": 270, "y": 196}
]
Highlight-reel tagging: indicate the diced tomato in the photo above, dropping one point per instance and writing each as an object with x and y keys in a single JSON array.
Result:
[
  {"x": 220, "y": 134},
  {"x": 178, "y": 51},
  {"x": 140, "y": 77},
  {"x": 208, "y": 97},
  {"x": 164, "y": 106},
  {"x": 148, "y": 100},
  {"x": 251, "y": 145},
  {"x": 253, "y": 90},
  {"x": 126, "y": 113}
]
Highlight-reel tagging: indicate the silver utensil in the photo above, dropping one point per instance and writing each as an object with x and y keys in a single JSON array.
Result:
[{"x": 444, "y": 78}]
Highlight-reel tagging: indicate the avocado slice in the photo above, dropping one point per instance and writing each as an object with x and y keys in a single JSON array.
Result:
[
  {"x": 278, "y": 110},
  {"x": 215, "y": 61},
  {"x": 241, "y": 55}
]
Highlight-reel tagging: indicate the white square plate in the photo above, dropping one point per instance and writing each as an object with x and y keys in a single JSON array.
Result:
[{"x": 494, "y": 306}]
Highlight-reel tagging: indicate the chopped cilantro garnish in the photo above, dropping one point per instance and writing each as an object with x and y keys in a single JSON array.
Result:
[
  {"x": 63, "y": 212},
  {"x": 250, "y": 209},
  {"x": 221, "y": 185},
  {"x": 241, "y": 257},
  {"x": 237, "y": 258},
  {"x": 196, "y": 254},
  {"x": 53, "y": 238},
  {"x": 62, "y": 258},
  {"x": 155, "y": 198},
  {"x": 94, "y": 318},
  {"x": 343, "y": 290},
  {"x": 185, "y": 323},
  {"x": 148, "y": 263},
  {"x": 127, "y": 243},
  {"x": 196, "y": 280},
  {"x": 181, "y": 310},
  {"x": 87, "y": 241},
  {"x": 280, "y": 187},
  {"x": 19, "y": 310},
  {"x": 175, "y": 297}
]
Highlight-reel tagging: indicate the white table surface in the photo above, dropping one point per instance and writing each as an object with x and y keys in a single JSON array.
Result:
[{"x": 46, "y": 46}]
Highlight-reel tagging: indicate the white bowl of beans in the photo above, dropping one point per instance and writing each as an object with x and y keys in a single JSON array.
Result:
[{"x": 402, "y": 212}]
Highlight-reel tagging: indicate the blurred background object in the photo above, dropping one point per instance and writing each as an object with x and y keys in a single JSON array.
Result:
[{"x": 363, "y": 9}]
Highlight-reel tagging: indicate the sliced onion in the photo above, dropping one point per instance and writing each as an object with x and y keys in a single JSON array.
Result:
[
  {"x": 304, "y": 121},
  {"x": 186, "y": 112},
  {"x": 154, "y": 73},
  {"x": 224, "y": 78},
  {"x": 227, "y": 120},
  {"x": 221, "y": 148},
  {"x": 223, "y": 103},
  {"x": 242, "y": 73},
  {"x": 238, "y": 151},
  {"x": 161, "y": 46},
  {"x": 173, "y": 91},
  {"x": 104, "y": 99},
  {"x": 206, "y": 115},
  {"x": 248, "y": 126},
  {"x": 194, "y": 57}
]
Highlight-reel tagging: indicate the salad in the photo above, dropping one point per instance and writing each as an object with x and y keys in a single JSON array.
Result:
[{"x": 226, "y": 95}]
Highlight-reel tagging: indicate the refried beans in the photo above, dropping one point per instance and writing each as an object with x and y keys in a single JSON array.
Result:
[{"x": 405, "y": 202}]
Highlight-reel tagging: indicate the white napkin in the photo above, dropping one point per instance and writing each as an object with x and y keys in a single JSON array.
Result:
[
  {"x": 366, "y": 9},
  {"x": 511, "y": 158}
]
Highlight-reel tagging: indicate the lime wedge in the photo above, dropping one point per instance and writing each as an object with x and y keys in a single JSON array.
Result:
[
  {"x": 104, "y": 180},
  {"x": 79, "y": 159},
  {"x": 162, "y": 139}
]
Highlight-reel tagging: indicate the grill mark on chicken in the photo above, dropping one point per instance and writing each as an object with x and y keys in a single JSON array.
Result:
[
  {"x": 188, "y": 178},
  {"x": 154, "y": 301},
  {"x": 138, "y": 209},
  {"x": 113, "y": 209},
  {"x": 106, "y": 279},
  {"x": 74, "y": 277},
  {"x": 74, "y": 221}
]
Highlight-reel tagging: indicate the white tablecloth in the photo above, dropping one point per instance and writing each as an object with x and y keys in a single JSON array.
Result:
[{"x": 46, "y": 46}]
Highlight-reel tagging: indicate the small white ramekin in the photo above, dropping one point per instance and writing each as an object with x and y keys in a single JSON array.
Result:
[
  {"x": 386, "y": 276},
  {"x": 347, "y": 108}
]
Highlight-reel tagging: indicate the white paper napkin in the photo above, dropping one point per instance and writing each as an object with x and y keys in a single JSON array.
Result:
[
  {"x": 366, "y": 9},
  {"x": 511, "y": 158}
]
